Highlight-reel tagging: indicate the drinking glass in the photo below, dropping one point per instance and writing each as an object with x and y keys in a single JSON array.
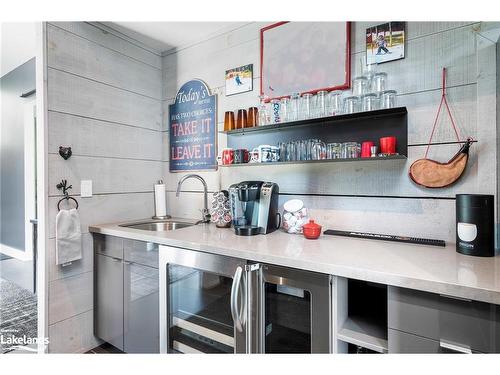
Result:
[
  {"x": 335, "y": 103},
  {"x": 263, "y": 112},
  {"x": 290, "y": 151},
  {"x": 334, "y": 150},
  {"x": 379, "y": 82},
  {"x": 252, "y": 117},
  {"x": 294, "y": 106},
  {"x": 282, "y": 146},
  {"x": 229, "y": 121},
  {"x": 306, "y": 104},
  {"x": 321, "y": 103},
  {"x": 285, "y": 109},
  {"x": 359, "y": 86},
  {"x": 351, "y": 150},
  {"x": 351, "y": 104},
  {"x": 275, "y": 111},
  {"x": 370, "y": 102},
  {"x": 241, "y": 119},
  {"x": 389, "y": 99},
  {"x": 318, "y": 151}
]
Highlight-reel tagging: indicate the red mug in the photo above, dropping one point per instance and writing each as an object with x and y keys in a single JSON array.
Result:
[
  {"x": 388, "y": 145},
  {"x": 227, "y": 156},
  {"x": 366, "y": 151}
]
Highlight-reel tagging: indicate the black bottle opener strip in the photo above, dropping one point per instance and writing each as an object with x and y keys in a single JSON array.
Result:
[{"x": 386, "y": 237}]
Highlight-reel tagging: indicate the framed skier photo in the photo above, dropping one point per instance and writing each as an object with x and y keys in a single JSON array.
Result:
[
  {"x": 385, "y": 42},
  {"x": 239, "y": 80}
]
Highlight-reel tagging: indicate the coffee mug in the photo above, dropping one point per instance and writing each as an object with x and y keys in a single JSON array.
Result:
[
  {"x": 264, "y": 153},
  {"x": 240, "y": 156},
  {"x": 227, "y": 156}
]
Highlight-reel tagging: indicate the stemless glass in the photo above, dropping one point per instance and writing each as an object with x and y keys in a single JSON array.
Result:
[
  {"x": 294, "y": 106},
  {"x": 379, "y": 82},
  {"x": 335, "y": 106},
  {"x": 285, "y": 109},
  {"x": 359, "y": 86},
  {"x": 370, "y": 102},
  {"x": 389, "y": 99},
  {"x": 334, "y": 150},
  {"x": 241, "y": 119},
  {"x": 229, "y": 121},
  {"x": 263, "y": 112},
  {"x": 275, "y": 111},
  {"x": 318, "y": 151},
  {"x": 252, "y": 117},
  {"x": 351, "y": 104},
  {"x": 306, "y": 104},
  {"x": 290, "y": 151},
  {"x": 321, "y": 98},
  {"x": 351, "y": 150}
]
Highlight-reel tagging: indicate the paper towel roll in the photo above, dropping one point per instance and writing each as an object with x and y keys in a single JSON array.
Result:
[{"x": 160, "y": 201}]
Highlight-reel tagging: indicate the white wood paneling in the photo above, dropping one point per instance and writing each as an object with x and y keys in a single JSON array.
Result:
[
  {"x": 73, "y": 335},
  {"x": 111, "y": 41},
  {"x": 86, "y": 264},
  {"x": 80, "y": 96},
  {"x": 106, "y": 209},
  {"x": 89, "y": 137},
  {"x": 70, "y": 296},
  {"x": 74, "y": 54},
  {"x": 108, "y": 175}
]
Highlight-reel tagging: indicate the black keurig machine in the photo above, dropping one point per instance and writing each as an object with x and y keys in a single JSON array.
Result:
[{"x": 475, "y": 224}]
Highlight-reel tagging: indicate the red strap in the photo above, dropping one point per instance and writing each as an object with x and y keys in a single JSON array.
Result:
[{"x": 445, "y": 101}]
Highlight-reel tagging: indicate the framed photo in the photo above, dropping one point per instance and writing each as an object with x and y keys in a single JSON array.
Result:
[
  {"x": 385, "y": 42},
  {"x": 300, "y": 57},
  {"x": 239, "y": 80}
]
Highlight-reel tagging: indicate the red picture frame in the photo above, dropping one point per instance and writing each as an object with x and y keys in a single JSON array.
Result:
[{"x": 343, "y": 86}]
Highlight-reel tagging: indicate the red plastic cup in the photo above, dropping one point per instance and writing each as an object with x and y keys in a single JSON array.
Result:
[
  {"x": 366, "y": 151},
  {"x": 388, "y": 145}
]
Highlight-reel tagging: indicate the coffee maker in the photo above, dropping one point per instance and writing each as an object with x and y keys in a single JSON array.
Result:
[{"x": 254, "y": 206}]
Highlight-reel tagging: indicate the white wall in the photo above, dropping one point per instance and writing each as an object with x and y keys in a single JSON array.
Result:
[
  {"x": 104, "y": 94},
  {"x": 18, "y": 44},
  {"x": 381, "y": 196}
]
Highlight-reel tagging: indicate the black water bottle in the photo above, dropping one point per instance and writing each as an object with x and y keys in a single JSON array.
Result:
[{"x": 475, "y": 224}]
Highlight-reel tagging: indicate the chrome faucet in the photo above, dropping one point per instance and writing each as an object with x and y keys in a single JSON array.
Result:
[{"x": 205, "y": 213}]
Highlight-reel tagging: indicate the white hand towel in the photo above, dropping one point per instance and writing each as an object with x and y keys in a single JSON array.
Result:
[{"x": 68, "y": 236}]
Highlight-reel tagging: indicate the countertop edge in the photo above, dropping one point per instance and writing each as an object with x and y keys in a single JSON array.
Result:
[{"x": 397, "y": 280}]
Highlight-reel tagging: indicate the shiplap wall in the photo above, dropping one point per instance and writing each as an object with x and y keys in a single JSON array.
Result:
[
  {"x": 104, "y": 100},
  {"x": 384, "y": 200}
]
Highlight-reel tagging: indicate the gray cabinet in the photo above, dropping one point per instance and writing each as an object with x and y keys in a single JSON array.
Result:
[
  {"x": 109, "y": 300},
  {"x": 126, "y": 310},
  {"x": 141, "y": 332},
  {"x": 459, "y": 324}
]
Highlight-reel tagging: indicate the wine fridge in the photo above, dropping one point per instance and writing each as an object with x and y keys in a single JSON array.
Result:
[{"x": 219, "y": 304}]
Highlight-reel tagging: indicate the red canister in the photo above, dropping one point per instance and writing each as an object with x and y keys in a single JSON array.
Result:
[
  {"x": 311, "y": 230},
  {"x": 366, "y": 149},
  {"x": 388, "y": 145}
]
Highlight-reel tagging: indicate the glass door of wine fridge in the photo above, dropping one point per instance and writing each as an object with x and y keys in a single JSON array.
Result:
[
  {"x": 289, "y": 310},
  {"x": 203, "y": 302}
]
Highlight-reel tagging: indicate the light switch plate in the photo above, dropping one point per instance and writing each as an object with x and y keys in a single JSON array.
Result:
[{"x": 86, "y": 188}]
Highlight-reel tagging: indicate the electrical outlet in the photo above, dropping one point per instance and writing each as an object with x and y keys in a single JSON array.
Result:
[{"x": 86, "y": 188}]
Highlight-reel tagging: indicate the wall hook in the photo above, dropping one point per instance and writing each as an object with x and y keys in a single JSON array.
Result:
[{"x": 65, "y": 152}]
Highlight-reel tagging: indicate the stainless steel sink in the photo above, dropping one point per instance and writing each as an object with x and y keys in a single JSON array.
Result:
[{"x": 159, "y": 226}]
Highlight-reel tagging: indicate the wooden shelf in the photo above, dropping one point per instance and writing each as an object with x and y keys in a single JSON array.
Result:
[
  {"x": 365, "y": 333},
  {"x": 356, "y": 127},
  {"x": 326, "y": 161}
]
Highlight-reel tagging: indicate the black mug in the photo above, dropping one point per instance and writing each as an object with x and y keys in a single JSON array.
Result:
[{"x": 240, "y": 156}]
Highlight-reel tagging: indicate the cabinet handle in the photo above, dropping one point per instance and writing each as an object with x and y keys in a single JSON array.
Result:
[
  {"x": 235, "y": 288},
  {"x": 456, "y": 298},
  {"x": 455, "y": 348},
  {"x": 116, "y": 259},
  {"x": 127, "y": 263}
]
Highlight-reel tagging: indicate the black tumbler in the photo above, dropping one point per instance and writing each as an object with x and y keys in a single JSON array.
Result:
[{"x": 475, "y": 224}]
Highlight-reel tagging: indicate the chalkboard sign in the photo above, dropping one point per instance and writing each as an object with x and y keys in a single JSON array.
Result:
[{"x": 192, "y": 126}]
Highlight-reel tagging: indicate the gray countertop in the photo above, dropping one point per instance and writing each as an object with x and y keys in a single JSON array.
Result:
[{"x": 427, "y": 268}]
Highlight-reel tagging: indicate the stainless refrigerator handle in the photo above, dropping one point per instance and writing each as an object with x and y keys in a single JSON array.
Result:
[
  {"x": 456, "y": 348},
  {"x": 235, "y": 313}
]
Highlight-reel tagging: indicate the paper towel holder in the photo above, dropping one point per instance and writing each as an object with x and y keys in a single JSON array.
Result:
[{"x": 154, "y": 217}]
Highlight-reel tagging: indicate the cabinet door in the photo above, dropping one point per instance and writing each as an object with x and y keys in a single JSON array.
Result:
[
  {"x": 109, "y": 300},
  {"x": 141, "y": 309},
  {"x": 145, "y": 253}
]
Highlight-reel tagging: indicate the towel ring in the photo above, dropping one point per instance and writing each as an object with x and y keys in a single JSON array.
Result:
[{"x": 67, "y": 198}]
